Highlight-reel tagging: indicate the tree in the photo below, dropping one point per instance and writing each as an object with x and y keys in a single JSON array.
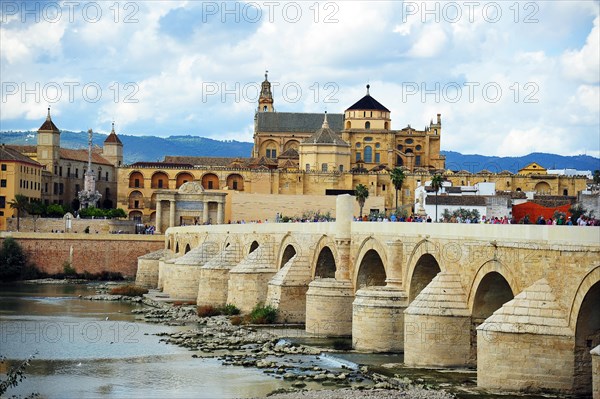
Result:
[
  {"x": 397, "y": 176},
  {"x": 436, "y": 184},
  {"x": 361, "y": 192},
  {"x": 20, "y": 204},
  {"x": 596, "y": 176},
  {"x": 35, "y": 209},
  {"x": 13, "y": 260}
]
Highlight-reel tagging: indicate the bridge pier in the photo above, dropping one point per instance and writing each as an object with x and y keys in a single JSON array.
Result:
[
  {"x": 437, "y": 325},
  {"x": 249, "y": 279},
  {"x": 287, "y": 290},
  {"x": 329, "y": 307},
  {"x": 147, "y": 270},
  {"x": 214, "y": 277},
  {"x": 527, "y": 344},
  {"x": 378, "y": 319},
  {"x": 596, "y": 372}
]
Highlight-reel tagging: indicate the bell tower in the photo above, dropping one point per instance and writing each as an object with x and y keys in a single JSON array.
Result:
[
  {"x": 48, "y": 143},
  {"x": 265, "y": 101}
]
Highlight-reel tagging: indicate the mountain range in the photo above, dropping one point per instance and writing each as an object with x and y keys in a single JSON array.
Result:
[{"x": 152, "y": 149}]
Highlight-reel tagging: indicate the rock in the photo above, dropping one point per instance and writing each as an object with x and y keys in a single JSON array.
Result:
[{"x": 298, "y": 384}]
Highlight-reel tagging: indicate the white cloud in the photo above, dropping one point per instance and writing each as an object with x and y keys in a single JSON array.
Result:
[{"x": 584, "y": 64}]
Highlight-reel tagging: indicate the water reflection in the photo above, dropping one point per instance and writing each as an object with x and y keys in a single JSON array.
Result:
[{"x": 80, "y": 354}]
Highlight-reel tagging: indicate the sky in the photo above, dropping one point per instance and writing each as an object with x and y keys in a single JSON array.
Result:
[{"x": 509, "y": 77}]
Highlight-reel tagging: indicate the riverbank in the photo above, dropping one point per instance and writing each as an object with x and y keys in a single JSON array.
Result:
[{"x": 311, "y": 372}]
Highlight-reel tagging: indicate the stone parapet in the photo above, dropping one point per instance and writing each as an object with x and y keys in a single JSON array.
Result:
[
  {"x": 329, "y": 307},
  {"x": 378, "y": 319}
]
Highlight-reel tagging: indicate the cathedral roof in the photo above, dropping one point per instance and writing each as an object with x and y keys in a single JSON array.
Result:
[
  {"x": 325, "y": 136},
  {"x": 291, "y": 153},
  {"x": 112, "y": 137},
  {"x": 48, "y": 124},
  {"x": 368, "y": 103},
  {"x": 296, "y": 122}
]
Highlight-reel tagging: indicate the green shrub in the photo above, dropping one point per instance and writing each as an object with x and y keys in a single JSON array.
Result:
[
  {"x": 68, "y": 269},
  {"x": 14, "y": 263},
  {"x": 229, "y": 310},
  {"x": 262, "y": 314},
  {"x": 129, "y": 290}
]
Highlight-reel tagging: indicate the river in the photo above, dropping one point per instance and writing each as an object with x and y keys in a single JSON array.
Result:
[{"x": 97, "y": 349}]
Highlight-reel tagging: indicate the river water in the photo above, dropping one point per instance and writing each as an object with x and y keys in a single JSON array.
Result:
[{"x": 97, "y": 349}]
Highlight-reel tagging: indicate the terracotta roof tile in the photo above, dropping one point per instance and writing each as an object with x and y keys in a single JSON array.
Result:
[{"x": 10, "y": 154}]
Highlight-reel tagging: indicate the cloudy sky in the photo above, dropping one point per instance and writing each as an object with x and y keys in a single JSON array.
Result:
[{"x": 509, "y": 78}]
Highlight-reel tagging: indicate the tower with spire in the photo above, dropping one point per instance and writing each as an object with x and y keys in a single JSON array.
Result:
[
  {"x": 265, "y": 101},
  {"x": 48, "y": 144},
  {"x": 112, "y": 149}
]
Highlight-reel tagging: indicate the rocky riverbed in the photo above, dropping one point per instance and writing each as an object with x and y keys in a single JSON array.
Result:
[{"x": 264, "y": 349}]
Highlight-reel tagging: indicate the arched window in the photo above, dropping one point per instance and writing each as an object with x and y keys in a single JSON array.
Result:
[
  {"x": 341, "y": 168},
  {"x": 368, "y": 154},
  {"x": 367, "y": 125},
  {"x": 308, "y": 167},
  {"x": 324, "y": 167},
  {"x": 348, "y": 125},
  {"x": 265, "y": 108},
  {"x": 386, "y": 125}
]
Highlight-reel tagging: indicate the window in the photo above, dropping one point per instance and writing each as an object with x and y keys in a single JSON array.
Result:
[
  {"x": 61, "y": 188},
  {"x": 417, "y": 160},
  {"x": 265, "y": 108},
  {"x": 307, "y": 167},
  {"x": 55, "y": 188},
  {"x": 383, "y": 187},
  {"x": 358, "y": 145},
  {"x": 368, "y": 139},
  {"x": 400, "y": 147},
  {"x": 210, "y": 184},
  {"x": 3, "y": 166},
  {"x": 160, "y": 184},
  {"x": 271, "y": 153},
  {"x": 99, "y": 175},
  {"x": 408, "y": 141},
  {"x": 77, "y": 188},
  {"x": 367, "y": 125},
  {"x": 46, "y": 188},
  {"x": 324, "y": 167},
  {"x": 377, "y": 159},
  {"x": 368, "y": 154},
  {"x": 3, "y": 183},
  {"x": 69, "y": 171},
  {"x": 2, "y": 202},
  {"x": 60, "y": 170},
  {"x": 235, "y": 185},
  {"x": 76, "y": 172},
  {"x": 136, "y": 204},
  {"x": 358, "y": 156},
  {"x": 377, "y": 145},
  {"x": 106, "y": 176},
  {"x": 136, "y": 183},
  {"x": 341, "y": 168},
  {"x": 418, "y": 148}
]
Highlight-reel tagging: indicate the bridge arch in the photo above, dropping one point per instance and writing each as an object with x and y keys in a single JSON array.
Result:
[
  {"x": 585, "y": 321},
  {"x": 325, "y": 258},
  {"x": 370, "y": 267},
  {"x": 491, "y": 266},
  {"x": 288, "y": 248},
  {"x": 253, "y": 246},
  {"x": 423, "y": 265}
]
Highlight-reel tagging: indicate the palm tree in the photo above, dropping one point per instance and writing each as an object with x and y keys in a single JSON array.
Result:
[
  {"x": 20, "y": 204},
  {"x": 397, "y": 176},
  {"x": 361, "y": 192},
  {"x": 436, "y": 184}
]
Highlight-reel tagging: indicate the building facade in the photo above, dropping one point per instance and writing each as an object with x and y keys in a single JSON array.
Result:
[
  {"x": 18, "y": 175},
  {"x": 63, "y": 169}
]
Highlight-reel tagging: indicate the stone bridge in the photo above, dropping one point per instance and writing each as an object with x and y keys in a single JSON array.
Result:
[{"x": 519, "y": 302}]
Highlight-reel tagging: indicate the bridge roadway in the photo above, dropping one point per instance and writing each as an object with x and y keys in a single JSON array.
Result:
[{"x": 519, "y": 302}]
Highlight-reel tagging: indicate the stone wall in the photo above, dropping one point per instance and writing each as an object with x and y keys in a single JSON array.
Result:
[
  {"x": 93, "y": 253},
  {"x": 264, "y": 206},
  {"x": 596, "y": 372},
  {"x": 47, "y": 225}
]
